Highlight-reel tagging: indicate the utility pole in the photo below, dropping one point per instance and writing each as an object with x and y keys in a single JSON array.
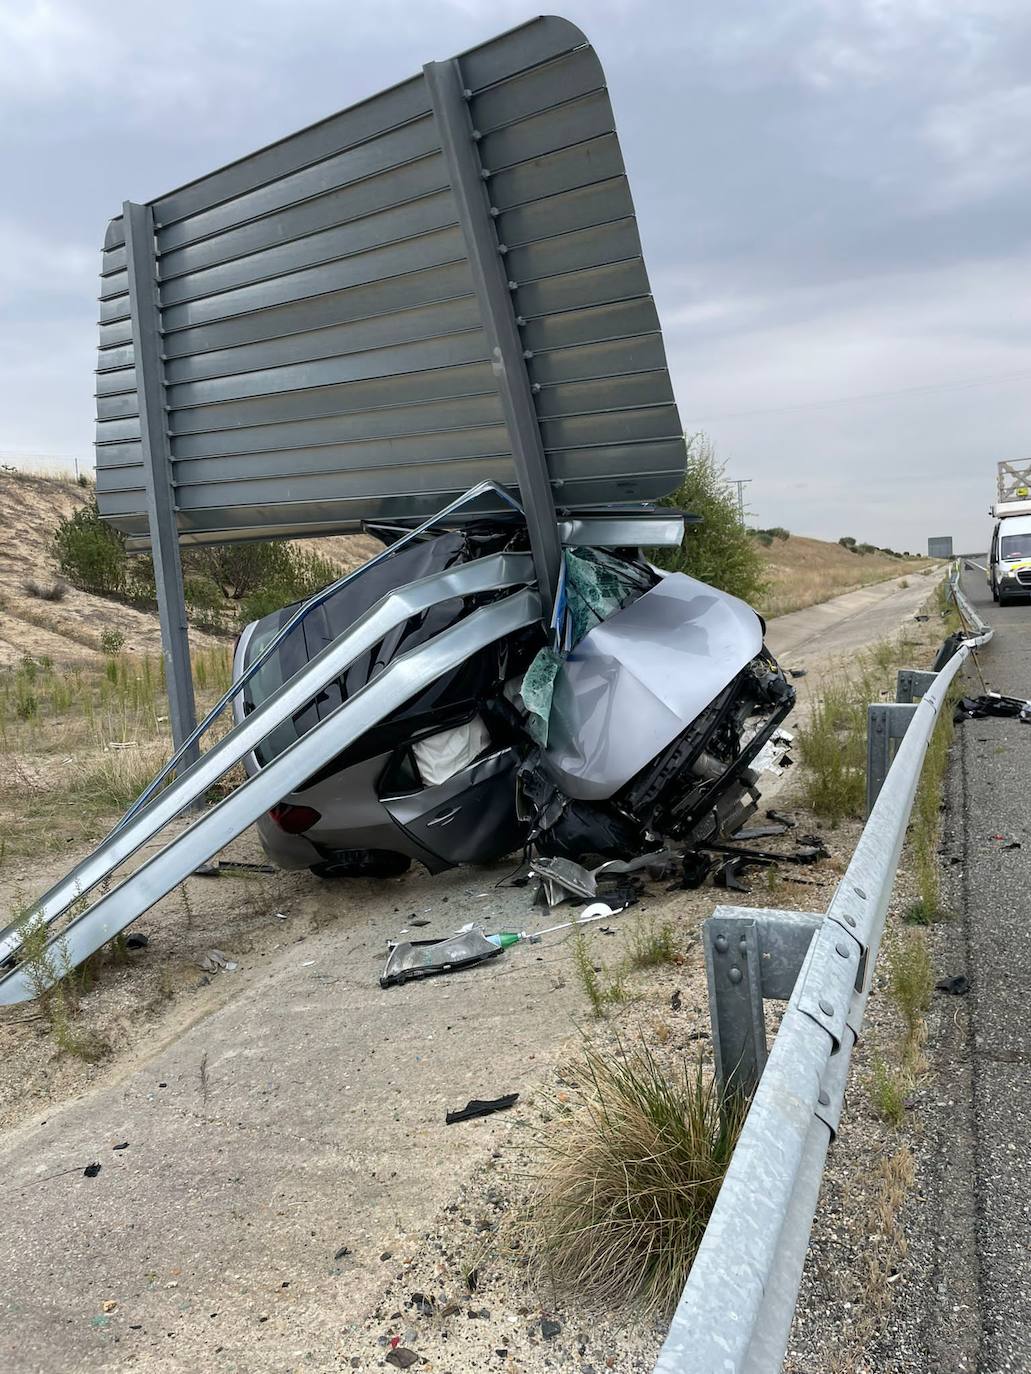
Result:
[{"x": 740, "y": 483}]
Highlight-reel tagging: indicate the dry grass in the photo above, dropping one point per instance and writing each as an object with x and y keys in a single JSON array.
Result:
[
  {"x": 630, "y": 1178},
  {"x": 78, "y": 744},
  {"x": 803, "y": 572}
]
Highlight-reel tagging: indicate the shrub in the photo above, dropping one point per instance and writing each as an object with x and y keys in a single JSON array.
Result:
[
  {"x": 620, "y": 1207},
  {"x": 89, "y": 553},
  {"x": 720, "y": 550},
  {"x": 847, "y": 542},
  {"x": 53, "y": 589},
  {"x": 241, "y": 569},
  {"x": 111, "y": 641}
]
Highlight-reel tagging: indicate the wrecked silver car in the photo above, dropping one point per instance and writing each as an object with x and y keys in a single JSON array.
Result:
[{"x": 627, "y": 724}]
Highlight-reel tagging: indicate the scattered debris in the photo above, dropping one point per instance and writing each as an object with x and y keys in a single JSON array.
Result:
[
  {"x": 477, "y": 1107},
  {"x": 424, "y": 958},
  {"x": 992, "y": 704},
  {"x": 402, "y": 1358},
  {"x": 91, "y": 1171},
  {"x": 760, "y": 832},
  {"x": 957, "y": 986},
  {"x": 676, "y": 1001},
  {"x": 798, "y": 672},
  {"x": 217, "y": 867},
  {"x": 137, "y": 940},
  {"x": 780, "y": 818},
  {"x": 342, "y": 1253},
  {"x": 215, "y": 960},
  {"x": 549, "y": 1328},
  {"x": 123, "y": 1146}
]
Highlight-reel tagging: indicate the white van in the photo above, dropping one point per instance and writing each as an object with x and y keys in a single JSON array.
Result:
[{"x": 1009, "y": 558}]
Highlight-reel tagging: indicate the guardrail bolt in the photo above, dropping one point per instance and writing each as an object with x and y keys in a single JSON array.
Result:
[
  {"x": 849, "y": 920},
  {"x": 825, "y": 1098},
  {"x": 721, "y": 943},
  {"x": 826, "y": 1008},
  {"x": 735, "y": 974},
  {"x": 842, "y": 949},
  {"x": 859, "y": 892}
]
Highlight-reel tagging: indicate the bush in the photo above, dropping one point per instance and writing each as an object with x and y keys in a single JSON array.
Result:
[
  {"x": 629, "y": 1178},
  {"x": 298, "y": 575},
  {"x": 111, "y": 641},
  {"x": 779, "y": 532},
  {"x": 51, "y": 590},
  {"x": 720, "y": 550},
  {"x": 847, "y": 542},
  {"x": 89, "y": 553}
]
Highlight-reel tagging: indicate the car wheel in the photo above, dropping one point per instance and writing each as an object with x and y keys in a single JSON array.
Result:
[
  {"x": 363, "y": 863},
  {"x": 1004, "y": 600},
  {"x": 995, "y": 592}
]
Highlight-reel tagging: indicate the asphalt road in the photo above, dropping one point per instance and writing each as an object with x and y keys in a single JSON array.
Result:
[{"x": 984, "y": 1280}]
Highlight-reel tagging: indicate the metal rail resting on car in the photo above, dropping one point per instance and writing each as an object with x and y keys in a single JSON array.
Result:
[
  {"x": 736, "y": 1310},
  {"x": 401, "y": 679}
]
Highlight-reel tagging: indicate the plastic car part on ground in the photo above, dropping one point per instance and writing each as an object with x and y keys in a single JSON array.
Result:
[
  {"x": 992, "y": 704},
  {"x": 469, "y": 946}
]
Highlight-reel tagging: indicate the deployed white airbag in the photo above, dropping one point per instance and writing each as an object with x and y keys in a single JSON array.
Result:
[{"x": 441, "y": 756}]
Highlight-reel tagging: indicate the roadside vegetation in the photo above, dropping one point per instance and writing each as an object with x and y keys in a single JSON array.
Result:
[
  {"x": 224, "y": 586},
  {"x": 772, "y": 569},
  {"x": 631, "y": 1170},
  {"x": 719, "y": 550},
  {"x": 78, "y": 742}
]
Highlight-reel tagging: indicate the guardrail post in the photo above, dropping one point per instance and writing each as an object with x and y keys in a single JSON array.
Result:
[
  {"x": 911, "y": 684},
  {"x": 735, "y": 1002},
  {"x": 750, "y": 954},
  {"x": 886, "y": 724}
]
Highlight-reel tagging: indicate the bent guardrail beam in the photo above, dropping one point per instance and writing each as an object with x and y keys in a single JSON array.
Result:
[
  {"x": 391, "y": 688},
  {"x": 736, "y": 1310},
  {"x": 493, "y": 573}
]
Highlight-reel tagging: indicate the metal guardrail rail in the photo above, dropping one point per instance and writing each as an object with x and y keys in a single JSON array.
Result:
[{"x": 736, "y": 1310}]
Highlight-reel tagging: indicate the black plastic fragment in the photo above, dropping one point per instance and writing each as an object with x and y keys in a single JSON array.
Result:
[
  {"x": 958, "y": 986},
  {"x": 91, "y": 1170},
  {"x": 479, "y": 1107}
]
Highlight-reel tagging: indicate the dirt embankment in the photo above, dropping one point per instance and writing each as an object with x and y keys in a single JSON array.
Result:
[
  {"x": 804, "y": 572},
  {"x": 69, "y": 630}
]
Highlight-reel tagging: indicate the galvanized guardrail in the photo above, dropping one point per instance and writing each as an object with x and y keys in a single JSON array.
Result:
[{"x": 735, "y": 1313}]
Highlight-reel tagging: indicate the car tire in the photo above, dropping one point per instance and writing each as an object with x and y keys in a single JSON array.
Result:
[
  {"x": 362, "y": 863},
  {"x": 995, "y": 592},
  {"x": 1005, "y": 600}
]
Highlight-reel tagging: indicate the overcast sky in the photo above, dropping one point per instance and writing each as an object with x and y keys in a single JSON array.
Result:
[{"x": 834, "y": 199}]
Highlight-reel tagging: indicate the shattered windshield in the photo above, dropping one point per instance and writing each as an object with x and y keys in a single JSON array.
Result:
[{"x": 1015, "y": 546}]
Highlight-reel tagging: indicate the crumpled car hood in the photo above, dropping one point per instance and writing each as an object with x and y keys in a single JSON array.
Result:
[{"x": 634, "y": 682}]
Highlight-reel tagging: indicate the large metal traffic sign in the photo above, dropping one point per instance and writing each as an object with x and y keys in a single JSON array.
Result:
[{"x": 441, "y": 284}]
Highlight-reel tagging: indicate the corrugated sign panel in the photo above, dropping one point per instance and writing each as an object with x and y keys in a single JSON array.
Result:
[{"x": 325, "y": 357}]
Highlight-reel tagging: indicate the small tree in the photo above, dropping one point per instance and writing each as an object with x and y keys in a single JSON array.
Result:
[
  {"x": 89, "y": 552},
  {"x": 719, "y": 550}
]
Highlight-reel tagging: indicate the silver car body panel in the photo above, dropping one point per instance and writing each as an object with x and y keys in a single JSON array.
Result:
[{"x": 636, "y": 681}]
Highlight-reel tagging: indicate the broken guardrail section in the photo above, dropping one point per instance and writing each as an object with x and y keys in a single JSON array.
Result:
[{"x": 736, "y": 1310}]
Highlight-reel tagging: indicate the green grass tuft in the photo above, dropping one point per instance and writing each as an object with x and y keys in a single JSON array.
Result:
[{"x": 630, "y": 1178}]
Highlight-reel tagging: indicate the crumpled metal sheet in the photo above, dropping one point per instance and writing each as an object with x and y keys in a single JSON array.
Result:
[{"x": 633, "y": 683}]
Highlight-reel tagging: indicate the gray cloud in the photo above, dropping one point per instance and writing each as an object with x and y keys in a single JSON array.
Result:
[{"x": 833, "y": 199}]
